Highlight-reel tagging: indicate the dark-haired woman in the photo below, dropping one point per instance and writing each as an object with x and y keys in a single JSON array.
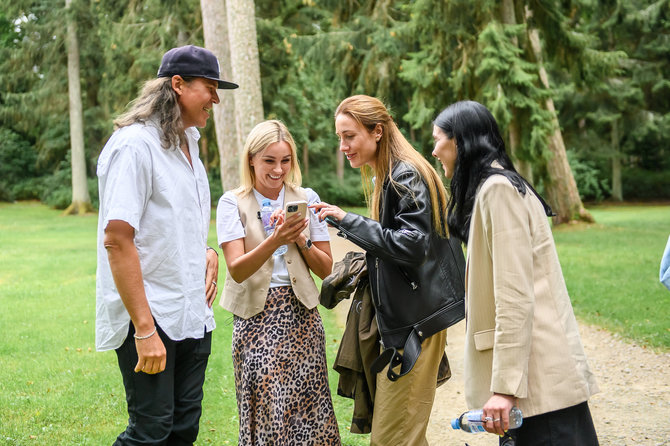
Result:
[
  {"x": 415, "y": 269},
  {"x": 522, "y": 340}
]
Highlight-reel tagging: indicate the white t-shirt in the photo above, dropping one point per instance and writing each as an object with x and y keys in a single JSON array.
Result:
[
  {"x": 229, "y": 227},
  {"x": 167, "y": 202}
]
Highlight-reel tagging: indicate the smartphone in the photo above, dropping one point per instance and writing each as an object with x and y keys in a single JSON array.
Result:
[{"x": 294, "y": 207}]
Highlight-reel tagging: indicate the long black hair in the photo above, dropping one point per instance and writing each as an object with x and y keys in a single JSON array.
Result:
[{"x": 478, "y": 145}]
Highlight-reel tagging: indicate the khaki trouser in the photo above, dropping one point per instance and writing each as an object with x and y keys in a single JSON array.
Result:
[{"x": 402, "y": 408}]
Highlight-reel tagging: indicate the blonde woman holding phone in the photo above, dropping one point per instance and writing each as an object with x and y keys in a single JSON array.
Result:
[{"x": 279, "y": 356}]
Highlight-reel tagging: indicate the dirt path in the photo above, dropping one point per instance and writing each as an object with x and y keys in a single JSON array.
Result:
[{"x": 632, "y": 408}]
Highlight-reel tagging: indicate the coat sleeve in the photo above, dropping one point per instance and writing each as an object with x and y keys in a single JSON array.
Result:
[
  {"x": 507, "y": 226},
  {"x": 406, "y": 242}
]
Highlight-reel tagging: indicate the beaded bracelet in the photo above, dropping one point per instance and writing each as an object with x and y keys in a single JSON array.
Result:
[{"x": 145, "y": 337}]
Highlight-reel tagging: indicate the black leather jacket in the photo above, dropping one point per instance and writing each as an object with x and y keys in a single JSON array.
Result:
[{"x": 417, "y": 277}]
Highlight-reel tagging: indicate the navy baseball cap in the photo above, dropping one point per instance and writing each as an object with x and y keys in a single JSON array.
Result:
[{"x": 193, "y": 61}]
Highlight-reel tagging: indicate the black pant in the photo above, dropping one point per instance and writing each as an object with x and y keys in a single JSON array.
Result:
[
  {"x": 569, "y": 426},
  {"x": 165, "y": 408}
]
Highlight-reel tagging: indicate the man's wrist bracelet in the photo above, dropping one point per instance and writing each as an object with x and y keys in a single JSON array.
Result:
[
  {"x": 217, "y": 254},
  {"x": 145, "y": 337}
]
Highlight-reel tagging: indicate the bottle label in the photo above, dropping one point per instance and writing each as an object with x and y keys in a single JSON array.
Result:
[
  {"x": 475, "y": 422},
  {"x": 265, "y": 219}
]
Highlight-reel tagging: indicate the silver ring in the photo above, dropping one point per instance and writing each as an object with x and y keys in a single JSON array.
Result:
[
  {"x": 497, "y": 419},
  {"x": 214, "y": 282},
  {"x": 487, "y": 419}
]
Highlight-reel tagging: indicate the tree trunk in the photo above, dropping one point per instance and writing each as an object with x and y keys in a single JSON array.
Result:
[
  {"x": 508, "y": 15},
  {"x": 617, "y": 189},
  {"x": 245, "y": 66},
  {"x": 215, "y": 29},
  {"x": 522, "y": 166},
  {"x": 81, "y": 201},
  {"x": 560, "y": 187}
]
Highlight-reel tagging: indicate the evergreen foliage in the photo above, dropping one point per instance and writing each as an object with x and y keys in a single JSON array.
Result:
[
  {"x": 18, "y": 167},
  {"x": 607, "y": 60},
  {"x": 626, "y": 115},
  {"x": 509, "y": 82}
]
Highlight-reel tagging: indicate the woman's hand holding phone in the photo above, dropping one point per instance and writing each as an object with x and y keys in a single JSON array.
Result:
[{"x": 290, "y": 222}]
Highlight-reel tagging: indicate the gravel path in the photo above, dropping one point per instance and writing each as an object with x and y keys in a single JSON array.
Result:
[
  {"x": 634, "y": 393},
  {"x": 632, "y": 408}
]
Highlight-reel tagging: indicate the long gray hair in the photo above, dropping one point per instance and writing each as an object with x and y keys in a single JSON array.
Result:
[{"x": 159, "y": 100}]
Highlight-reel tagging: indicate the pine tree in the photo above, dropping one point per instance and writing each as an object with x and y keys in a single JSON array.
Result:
[
  {"x": 120, "y": 45},
  {"x": 416, "y": 55},
  {"x": 623, "y": 120},
  {"x": 215, "y": 28},
  {"x": 245, "y": 67},
  {"x": 483, "y": 50},
  {"x": 355, "y": 50},
  {"x": 81, "y": 201}
]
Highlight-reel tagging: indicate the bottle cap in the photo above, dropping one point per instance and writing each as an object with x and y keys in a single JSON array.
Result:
[{"x": 455, "y": 424}]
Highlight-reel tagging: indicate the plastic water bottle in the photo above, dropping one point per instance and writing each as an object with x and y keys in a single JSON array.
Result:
[
  {"x": 471, "y": 421},
  {"x": 266, "y": 213}
]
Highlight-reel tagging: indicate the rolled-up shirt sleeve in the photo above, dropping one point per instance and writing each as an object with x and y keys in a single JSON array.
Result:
[
  {"x": 127, "y": 176},
  {"x": 228, "y": 223},
  {"x": 318, "y": 230}
]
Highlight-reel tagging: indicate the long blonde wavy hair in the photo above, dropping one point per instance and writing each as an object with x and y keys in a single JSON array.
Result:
[
  {"x": 260, "y": 137},
  {"x": 392, "y": 148},
  {"x": 158, "y": 99}
]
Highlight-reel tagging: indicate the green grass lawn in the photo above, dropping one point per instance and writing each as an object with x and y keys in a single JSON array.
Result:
[
  {"x": 56, "y": 390},
  {"x": 612, "y": 268}
]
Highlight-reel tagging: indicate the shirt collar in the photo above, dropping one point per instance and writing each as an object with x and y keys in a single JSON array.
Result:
[{"x": 279, "y": 202}]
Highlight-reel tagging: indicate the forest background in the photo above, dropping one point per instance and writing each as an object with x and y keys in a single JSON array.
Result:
[{"x": 583, "y": 83}]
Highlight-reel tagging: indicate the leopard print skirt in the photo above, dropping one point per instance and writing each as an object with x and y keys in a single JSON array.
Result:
[{"x": 281, "y": 376}]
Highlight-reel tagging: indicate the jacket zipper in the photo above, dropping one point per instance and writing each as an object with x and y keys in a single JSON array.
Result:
[
  {"x": 412, "y": 283},
  {"x": 379, "y": 303},
  {"x": 351, "y": 236},
  {"x": 379, "y": 300}
]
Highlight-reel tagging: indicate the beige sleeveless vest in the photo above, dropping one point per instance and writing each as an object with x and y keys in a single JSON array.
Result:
[{"x": 247, "y": 299}]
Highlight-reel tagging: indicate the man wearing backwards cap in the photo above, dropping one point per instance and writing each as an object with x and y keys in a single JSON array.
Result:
[{"x": 156, "y": 277}]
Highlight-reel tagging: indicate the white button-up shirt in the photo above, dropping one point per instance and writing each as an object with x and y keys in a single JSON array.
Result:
[{"x": 167, "y": 202}]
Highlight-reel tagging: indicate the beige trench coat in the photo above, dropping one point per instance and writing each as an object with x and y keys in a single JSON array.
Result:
[{"x": 522, "y": 338}]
